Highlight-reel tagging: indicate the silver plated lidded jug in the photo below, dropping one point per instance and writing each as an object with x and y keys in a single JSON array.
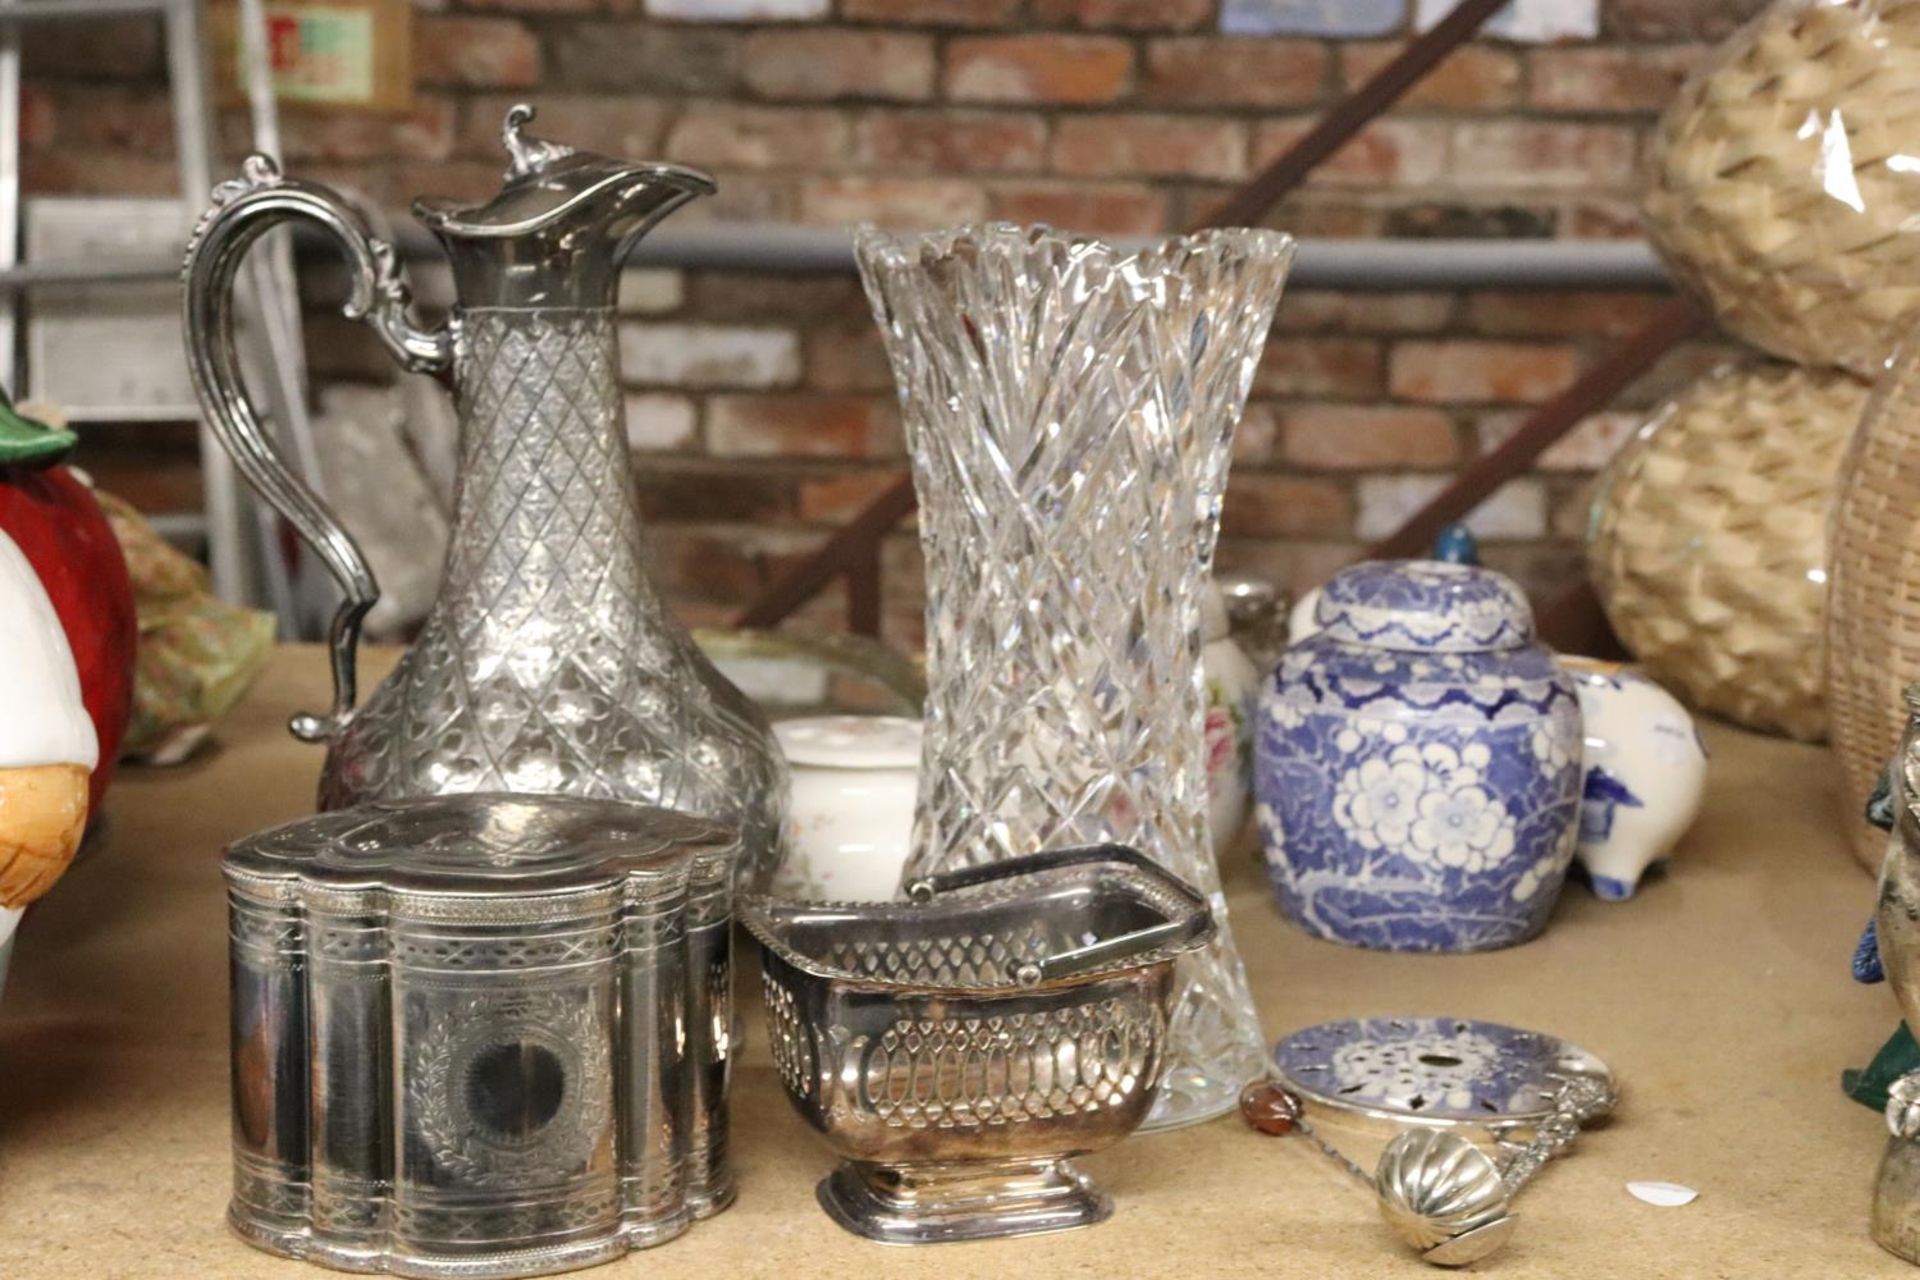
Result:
[{"x": 549, "y": 663}]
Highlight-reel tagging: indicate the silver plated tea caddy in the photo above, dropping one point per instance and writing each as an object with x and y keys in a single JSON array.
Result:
[
  {"x": 955, "y": 1049},
  {"x": 548, "y": 662},
  {"x": 480, "y": 1035}
]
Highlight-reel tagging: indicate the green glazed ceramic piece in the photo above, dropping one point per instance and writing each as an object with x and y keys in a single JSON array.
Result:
[
  {"x": 29, "y": 442},
  {"x": 1868, "y": 1085}
]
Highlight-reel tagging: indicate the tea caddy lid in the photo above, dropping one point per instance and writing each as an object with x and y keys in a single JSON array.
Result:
[
  {"x": 1425, "y": 606},
  {"x": 483, "y": 845}
]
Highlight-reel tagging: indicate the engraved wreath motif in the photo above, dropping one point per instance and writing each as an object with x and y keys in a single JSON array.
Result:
[{"x": 480, "y": 1155}]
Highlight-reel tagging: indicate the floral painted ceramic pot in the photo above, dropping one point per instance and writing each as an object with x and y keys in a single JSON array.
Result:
[
  {"x": 1233, "y": 687},
  {"x": 1645, "y": 774},
  {"x": 1417, "y": 764},
  {"x": 850, "y": 819}
]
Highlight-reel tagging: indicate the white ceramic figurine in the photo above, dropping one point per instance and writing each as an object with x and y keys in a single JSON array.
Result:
[
  {"x": 47, "y": 743},
  {"x": 1646, "y": 772}
]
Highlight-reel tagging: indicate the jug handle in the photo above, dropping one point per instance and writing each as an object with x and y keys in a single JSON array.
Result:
[{"x": 242, "y": 211}]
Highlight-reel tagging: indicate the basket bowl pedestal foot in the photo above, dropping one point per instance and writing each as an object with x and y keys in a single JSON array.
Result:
[{"x": 932, "y": 1204}]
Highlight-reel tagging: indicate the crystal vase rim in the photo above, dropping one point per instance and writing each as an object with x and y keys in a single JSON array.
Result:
[{"x": 877, "y": 246}]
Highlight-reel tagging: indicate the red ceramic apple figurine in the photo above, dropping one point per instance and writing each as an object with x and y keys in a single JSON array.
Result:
[{"x": 51, "y": 515}]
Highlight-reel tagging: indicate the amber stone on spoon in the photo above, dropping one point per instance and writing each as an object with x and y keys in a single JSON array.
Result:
[{"x": 1269, "y": 1108}]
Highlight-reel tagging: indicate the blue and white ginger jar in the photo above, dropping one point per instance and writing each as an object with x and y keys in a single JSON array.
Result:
[{"x": 1417, "y": 764}]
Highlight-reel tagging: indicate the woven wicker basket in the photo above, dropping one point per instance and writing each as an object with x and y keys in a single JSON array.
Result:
[
  {"x": 1873, "y": 610},
  {"x": 1784, "y": 177},
  {"x": 1707, "y": 544}
]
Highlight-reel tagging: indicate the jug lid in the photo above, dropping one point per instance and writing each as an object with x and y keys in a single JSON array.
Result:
[
  {"x": 555, "y": 234},
  {"x": 478, "y": 845},
  {"x": 547, "y": 182},
  {"x": 1428, "y": 606}
]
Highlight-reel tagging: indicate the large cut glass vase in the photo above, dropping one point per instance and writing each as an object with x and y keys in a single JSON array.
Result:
[{"x": 1069, "y": 409}]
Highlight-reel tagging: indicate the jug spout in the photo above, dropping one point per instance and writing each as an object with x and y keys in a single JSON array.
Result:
[{"x": 560, "y": 226}]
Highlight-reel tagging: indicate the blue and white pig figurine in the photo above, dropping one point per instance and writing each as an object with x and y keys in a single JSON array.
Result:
[{"x": 1646, "y": 773}]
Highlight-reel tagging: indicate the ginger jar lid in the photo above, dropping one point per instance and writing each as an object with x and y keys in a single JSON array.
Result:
[{"x": 1425, "y": 606}]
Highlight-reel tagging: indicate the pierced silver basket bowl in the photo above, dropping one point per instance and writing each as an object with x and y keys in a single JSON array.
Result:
[{"x": 955, "y": 1049}]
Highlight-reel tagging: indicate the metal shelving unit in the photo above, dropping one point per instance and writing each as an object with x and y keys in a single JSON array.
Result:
[{"x": 240, "y": 538}]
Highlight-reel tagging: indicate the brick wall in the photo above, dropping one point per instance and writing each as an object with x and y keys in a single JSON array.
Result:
[{"x": 761, "y": 411}]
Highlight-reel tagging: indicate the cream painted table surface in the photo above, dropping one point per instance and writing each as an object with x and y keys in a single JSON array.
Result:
[{"x": 1720, "y": 995}]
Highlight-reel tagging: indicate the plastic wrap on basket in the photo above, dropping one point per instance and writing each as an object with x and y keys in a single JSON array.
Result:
[
  {"x": 1707, "y": 544},
  {"x": 1784, "y": 176}
]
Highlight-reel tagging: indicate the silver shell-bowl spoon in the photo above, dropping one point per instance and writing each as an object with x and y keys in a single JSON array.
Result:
[{"x": 1436, "y": 1189}]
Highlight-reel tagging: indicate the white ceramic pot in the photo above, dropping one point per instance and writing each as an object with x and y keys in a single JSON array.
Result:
[
  {"x": 850, "y": 821},
  {"x": 1645, "y": 774}
]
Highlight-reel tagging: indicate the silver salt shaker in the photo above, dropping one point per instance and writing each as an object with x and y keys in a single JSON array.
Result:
[{"x": 480, "y": 1035}]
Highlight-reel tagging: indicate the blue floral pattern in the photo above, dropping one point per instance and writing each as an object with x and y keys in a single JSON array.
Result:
[{"x": 1420, "y": 799}]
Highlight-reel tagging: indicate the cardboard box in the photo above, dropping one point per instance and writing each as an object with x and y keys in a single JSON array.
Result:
[{"x": 353, "y": 55}]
